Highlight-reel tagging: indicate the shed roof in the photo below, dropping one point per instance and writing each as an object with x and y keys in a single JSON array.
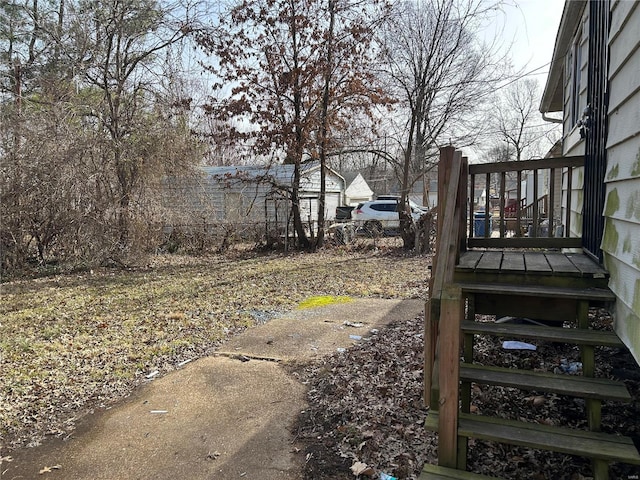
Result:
[{"x": 278, "y": 174}]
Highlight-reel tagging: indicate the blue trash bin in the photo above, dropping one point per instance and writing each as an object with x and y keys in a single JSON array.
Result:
[{"x": 478, "y": 223}]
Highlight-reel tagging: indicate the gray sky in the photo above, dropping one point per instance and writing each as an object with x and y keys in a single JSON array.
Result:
[{"x": 532, "y": 26}]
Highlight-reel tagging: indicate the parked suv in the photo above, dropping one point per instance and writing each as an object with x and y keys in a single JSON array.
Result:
[
  {"x": 396, "y": 198},
  {"x": 378, "y": 215}
]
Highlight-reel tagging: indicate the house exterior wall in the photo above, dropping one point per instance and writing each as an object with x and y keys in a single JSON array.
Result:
[
  {"x": 358, "y": 191},
  {"x": 621, "y": 244},
  {"x": 310, "y": 182},
  {"x": 567, "y": 90},
  {"x": 310, "y": 193},
  {"x": 229, "y": 194},
  {"x": 232, "y": 201},
  {"x": 575, "y": 84}
]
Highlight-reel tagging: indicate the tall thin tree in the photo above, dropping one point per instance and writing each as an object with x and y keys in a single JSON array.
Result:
[{"x": 439, "y": 70}]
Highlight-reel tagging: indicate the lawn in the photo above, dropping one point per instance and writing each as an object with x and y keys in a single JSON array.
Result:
[{"x": 71, "y": 343}]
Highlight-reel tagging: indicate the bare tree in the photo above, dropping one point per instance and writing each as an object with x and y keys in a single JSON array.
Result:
[
  {"x": 125, "y": 38},
  {"x": 515, "y": 120},
  {"x": 439, "y": 71},
  {"x": 500, "y": 152}
]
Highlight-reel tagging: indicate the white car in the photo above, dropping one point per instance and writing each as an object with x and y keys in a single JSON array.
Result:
[{"x": 379, "y": 215}]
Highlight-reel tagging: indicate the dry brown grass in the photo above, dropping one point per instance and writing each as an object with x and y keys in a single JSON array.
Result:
[{"x": 70, "y": 343}]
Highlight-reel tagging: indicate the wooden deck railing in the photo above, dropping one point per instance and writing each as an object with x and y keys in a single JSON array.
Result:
[{"x": 538, "y": 216}]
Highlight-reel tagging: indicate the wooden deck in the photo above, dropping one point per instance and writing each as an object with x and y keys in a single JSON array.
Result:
[
  {"x": 575, "y": 270},
  {"x": 531, "y": 277}
]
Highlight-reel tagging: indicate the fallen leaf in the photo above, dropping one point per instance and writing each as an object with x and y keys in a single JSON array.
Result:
[
  {"x": 213, "y": 456},
  {"x": 50, "y": 469},
  {"x": 353, "y": 324},
  {"x": 360, "y": 468},
  {"x": 538, "y": 400}
]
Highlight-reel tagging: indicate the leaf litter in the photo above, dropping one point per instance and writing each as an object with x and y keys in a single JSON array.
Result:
[{"x": 366, "y": 409}]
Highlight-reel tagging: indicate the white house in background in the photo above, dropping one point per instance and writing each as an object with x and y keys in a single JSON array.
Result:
[
  {"x": 594, "y": 81},
  {"x": 358, "y": 190},
  {"x": 251, "y": 195}
]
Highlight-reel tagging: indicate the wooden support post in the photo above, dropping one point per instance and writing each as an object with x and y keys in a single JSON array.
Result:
[
  {"x": 465, "y": 387},
  {"x": 468, "y": 354},
  {"x": 593, "y": 406},
  {"x": 435, "y": 383},
  {"x": 431, "y": 313},
  {"x": 600, "y": 469},
  {"x": 450, "y": 207},
  {"x": 465, "y": 403},
  {"x": 449, "y": 373},
  {"x": 432, "y": 308}
]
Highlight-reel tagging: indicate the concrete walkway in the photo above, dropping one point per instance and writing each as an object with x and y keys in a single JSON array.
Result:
[{"x": 222, "y": 417}]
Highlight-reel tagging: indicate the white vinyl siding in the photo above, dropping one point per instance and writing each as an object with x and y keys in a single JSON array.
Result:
[{"x": 620, "y": 244}]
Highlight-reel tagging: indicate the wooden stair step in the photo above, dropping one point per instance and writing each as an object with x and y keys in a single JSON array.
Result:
[
  {"x": 595, "y": 445},
  {"x": 594, "y": 294},
  {"x": 578, "y": 336},
  {"x": 573, "y": 385},
  {"x": 436, "y": 472}
]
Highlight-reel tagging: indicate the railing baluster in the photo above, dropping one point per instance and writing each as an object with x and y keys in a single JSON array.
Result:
[
  {"x": 552, "y": 201},
  {"x": 518, "y": 205},
  {"x": 472, "y": 202},
  {"x": 567, "y": 232},
  {"x": 503, "y": 183},
  {"x": 536, "y": 210},
  {"x": 487, "y": 208},
  {"x": 462, "y": 203}
]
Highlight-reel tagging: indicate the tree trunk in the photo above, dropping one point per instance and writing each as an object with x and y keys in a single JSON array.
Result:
[
  {"x": 303, "y": 240},
  {"x": 324, "y": 128},
  {"x": 407, "y": 230}
]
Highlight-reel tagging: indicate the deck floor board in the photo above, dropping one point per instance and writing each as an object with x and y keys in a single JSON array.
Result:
[
  {"x": 536, "y": 262},
  {"x": 527, "y": 262},
  {"x": 561, "y": 265},
  {"x": 512, "y": 266},
  {"x": 490, "y": 261},
  {"x": 513, "y": 262}
]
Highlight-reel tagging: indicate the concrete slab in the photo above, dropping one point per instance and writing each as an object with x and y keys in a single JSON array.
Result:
[
  {"x": 216, "y": 418},
  {"x": 308, "y": 333}
]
